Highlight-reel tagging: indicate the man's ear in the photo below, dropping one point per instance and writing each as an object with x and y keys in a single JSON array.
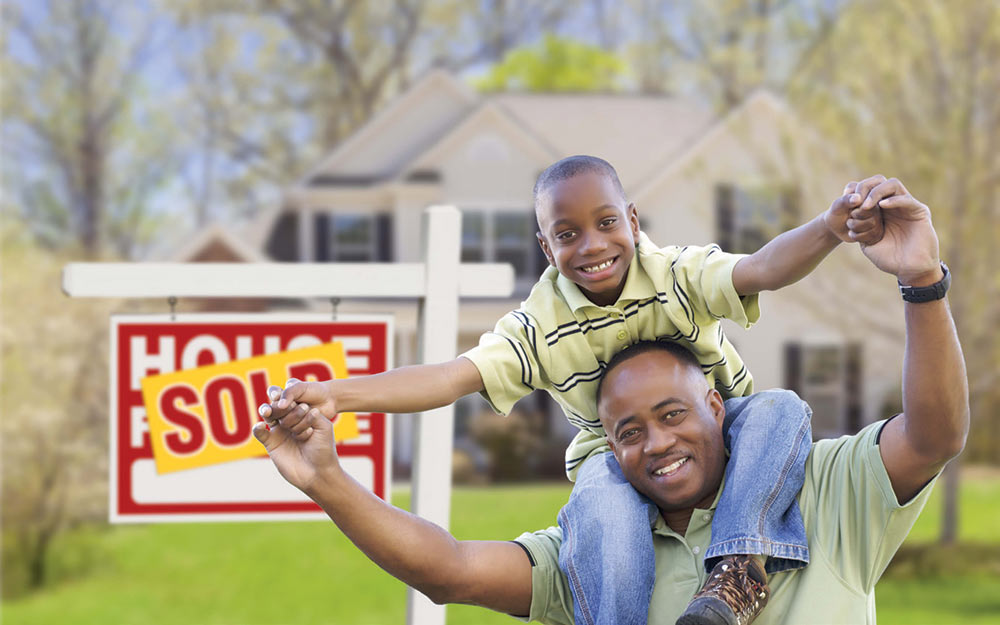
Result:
[
  {"x": 545, "y": 248},
  {"x": 717, "y": 406},
  {"x": 611, "y": 444},
  {"x": 633, "y": 221}
]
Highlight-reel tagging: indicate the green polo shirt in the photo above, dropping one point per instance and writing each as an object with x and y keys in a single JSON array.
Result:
[
  {"x": 852, "y": 519},
  {"x": 560, "y": 341}
]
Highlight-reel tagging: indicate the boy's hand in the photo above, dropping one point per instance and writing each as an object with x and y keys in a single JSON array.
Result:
[
  {"x": 303, "y": 455},
  {"x": 290, "y": 405},
  {"x": 855, "y": 217}
]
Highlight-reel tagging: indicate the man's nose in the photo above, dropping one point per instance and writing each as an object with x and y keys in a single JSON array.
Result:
[{"x": 660, "y": 438}]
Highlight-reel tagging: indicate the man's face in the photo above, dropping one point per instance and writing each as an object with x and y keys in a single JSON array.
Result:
[
  {"x": 589, "y": 234},
  {"x": 664, "y": 425}
]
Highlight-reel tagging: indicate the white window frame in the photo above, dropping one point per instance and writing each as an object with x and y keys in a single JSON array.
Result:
[
  {"x": 370, "y": 249},
  {"x": 490, "y": 212},
  {"x": 831, "y": 390}
]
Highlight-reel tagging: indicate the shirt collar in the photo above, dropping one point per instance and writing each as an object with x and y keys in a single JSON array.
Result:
[
  {"x": 659, "y": 525},
  {"x": 637, "y": 283}
]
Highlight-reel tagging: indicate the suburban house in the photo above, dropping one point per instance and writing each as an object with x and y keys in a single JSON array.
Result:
[{"x": 696, "y": 177}]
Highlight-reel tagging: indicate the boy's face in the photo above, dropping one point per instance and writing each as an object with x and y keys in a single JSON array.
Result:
[{"x": 589, "y": 234}]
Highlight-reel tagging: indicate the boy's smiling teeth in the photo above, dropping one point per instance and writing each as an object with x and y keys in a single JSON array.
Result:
[
  {"x": 670, "y": 468},
  {"x": 596, "y": 268}
]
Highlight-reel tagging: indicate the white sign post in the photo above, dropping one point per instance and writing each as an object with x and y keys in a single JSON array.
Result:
[{"x": 438, "y": 282}]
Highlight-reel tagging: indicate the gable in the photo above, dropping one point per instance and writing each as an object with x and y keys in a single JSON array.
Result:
[
  {"x": 761, "y": 139},
  {"x": 489, "y": 157},
  {"x": 398, "y": 132}
]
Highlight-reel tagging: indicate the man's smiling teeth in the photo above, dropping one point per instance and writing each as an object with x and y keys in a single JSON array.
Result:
[
  {"x": 670, "y": 468},
  {"x": 600, "y": 267}
]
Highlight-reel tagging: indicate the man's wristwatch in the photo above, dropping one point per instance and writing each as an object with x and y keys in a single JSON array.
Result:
[{"x": 920, "y": 294}]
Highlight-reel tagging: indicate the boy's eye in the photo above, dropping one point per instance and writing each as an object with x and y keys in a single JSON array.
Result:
[
  {"x": 565, "y": 236},
  {"x": 608, "y": 221}
]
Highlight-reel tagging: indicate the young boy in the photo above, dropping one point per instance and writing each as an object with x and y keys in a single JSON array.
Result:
[{"x": 609, "y": 287}]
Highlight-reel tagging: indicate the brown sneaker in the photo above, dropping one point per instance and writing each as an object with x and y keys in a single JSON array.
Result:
[{"x": 734, "y": 594}]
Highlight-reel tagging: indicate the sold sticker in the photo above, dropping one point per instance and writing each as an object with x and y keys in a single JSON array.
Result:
[{"x": 204, "y": 416}]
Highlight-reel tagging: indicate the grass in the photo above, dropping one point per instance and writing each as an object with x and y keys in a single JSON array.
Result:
[
  {"x": 286, "y": 573},
  {"x": 259, "y": 573}
]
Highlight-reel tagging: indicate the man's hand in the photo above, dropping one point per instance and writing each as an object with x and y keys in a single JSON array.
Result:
[
  {"x": 908, "y": 249},
  {"x": 302, "y": 454},
  {"x": 850, "y": 219}
]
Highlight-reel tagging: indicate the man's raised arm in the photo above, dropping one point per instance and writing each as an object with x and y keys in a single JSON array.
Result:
[
  {"x": 935, "y": 420},
  {"x": 494, "y": 575}
]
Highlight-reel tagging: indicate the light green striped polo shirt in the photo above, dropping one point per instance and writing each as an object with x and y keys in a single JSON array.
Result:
[
  {"x": 560, "y": 341},
  {"x": 853, "y": 522}
]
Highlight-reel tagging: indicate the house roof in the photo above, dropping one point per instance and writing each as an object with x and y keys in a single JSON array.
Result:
[
  {"x": 633, "y": 133},
  {"x": 217, "y": 239},
  {"x": 398, "y": 132}
]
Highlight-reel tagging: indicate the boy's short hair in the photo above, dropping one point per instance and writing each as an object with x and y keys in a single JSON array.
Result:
[
  {"x": 573, "y": 166},
  {"x": 677, "y": 350}
]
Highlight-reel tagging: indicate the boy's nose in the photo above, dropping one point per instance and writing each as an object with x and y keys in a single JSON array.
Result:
[{"x": 593, "y": 244}]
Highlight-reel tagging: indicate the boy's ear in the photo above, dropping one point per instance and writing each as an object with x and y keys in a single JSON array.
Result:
[
  {"x": 633, "y": 221},
  {"x": 545, "y": 248}
]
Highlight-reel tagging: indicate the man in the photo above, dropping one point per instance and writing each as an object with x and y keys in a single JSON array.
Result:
[{"x": 665, "y": 428}]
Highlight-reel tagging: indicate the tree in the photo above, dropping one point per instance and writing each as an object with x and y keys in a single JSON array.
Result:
[
  {"x": 725, "y": 50},
  {"x": 556, "y": 64},
  {"x": 909, "y": 89},
  {"x": 88, "y": 153},
  {"x": 53, "y": 430}
]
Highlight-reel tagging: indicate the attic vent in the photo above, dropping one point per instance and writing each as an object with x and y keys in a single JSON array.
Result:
[
  {"x": 423, "y": 175},
  {"x": 326, "y": 180}
]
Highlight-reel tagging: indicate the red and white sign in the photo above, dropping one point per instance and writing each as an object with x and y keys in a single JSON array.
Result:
[{"x": 250, "y": 488}]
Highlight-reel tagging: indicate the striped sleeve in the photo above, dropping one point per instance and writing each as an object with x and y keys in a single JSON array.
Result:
[
  {"x": 703, "y": 278},
  {"x": 507, "y": 359}
]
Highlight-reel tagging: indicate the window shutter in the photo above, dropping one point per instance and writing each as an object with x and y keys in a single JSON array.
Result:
[
  {"x": 725, "y": 216},
  {"x": 283, "y": 243},
  {"x": 321, "y": 232},
  {"x": 793, "y": 367},
  {"x": 852, "y": 387},
  {"x": 384, "y": 251},
  {"x": 791, "y": 208}
]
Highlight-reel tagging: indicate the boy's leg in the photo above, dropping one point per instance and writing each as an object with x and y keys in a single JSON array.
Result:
[
  {"x": 607, "y": 548},
  {"x": 769, "y": 435}
]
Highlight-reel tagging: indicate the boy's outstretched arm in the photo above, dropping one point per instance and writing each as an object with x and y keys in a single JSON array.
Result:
[
  {"x": 492, "y": 574},
  {"x": 406, "y": 389},
  {"x": 792, "y": 255}
]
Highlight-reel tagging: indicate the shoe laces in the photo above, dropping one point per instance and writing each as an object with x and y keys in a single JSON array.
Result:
[{"x": 732, "y": 582}]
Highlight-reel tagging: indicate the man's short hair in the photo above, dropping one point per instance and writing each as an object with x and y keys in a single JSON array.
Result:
[
  {"x": 677, "y": 350},
  {"x": 574, "y": 166}
]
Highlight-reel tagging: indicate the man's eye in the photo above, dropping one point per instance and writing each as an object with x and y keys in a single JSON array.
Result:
[
  {"x": 674, "y": 413},
  {"x": 628, "y": 434}
]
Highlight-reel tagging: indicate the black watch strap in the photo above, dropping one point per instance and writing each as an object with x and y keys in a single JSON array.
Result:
[{"x": 920, "y": 294}]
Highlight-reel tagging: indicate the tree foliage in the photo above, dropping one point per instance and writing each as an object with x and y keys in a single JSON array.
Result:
[{"x": 557, "y": 64}]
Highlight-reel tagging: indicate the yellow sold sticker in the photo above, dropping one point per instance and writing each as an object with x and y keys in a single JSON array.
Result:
[{"x": 205, "y": 416}]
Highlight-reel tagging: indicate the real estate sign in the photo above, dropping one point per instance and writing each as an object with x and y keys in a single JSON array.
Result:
[{"x": 184, "y": 397}]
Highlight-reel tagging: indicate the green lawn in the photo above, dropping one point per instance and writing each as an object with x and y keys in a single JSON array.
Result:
[{"x": 286, "y": 573}]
